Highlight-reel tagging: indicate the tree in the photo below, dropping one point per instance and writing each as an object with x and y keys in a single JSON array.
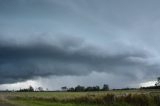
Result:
[
  {"x": 47, "y": 89},
  {"x": 158, "y": 82},
  {"x": 40, "y": 89},
  {"x": 79, "y": 88},
  {"x": 64, "y": 88},
  {"x": 105, "y": 87},
  {"x": 71, "y": 89},
  {"x": 31, "y": 89},
  {"x": 94, "y": 88}
]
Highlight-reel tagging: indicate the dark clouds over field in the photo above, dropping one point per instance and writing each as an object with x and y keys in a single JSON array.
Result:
[
  {"x": 37, "y": 56},
  {"x": 44, "y": 38}
]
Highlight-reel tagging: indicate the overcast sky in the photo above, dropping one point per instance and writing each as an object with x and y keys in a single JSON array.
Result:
[{"x": 54, "y": 43}]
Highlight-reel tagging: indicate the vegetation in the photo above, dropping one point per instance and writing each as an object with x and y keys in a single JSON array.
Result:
[
  {"x": 101, "y": 98},
  {"x": 89, "y": 88},
  {"x": 30, "y": 89},
  {"x": 83, "y": 96}
]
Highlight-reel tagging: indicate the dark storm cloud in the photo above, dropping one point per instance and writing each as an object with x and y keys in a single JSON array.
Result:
[
  {"x": 120, "y": 38},
  {"x": 68, "y": 56}
]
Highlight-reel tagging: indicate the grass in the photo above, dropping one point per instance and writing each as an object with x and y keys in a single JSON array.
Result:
[
  {"x": 44, "y": 103},
  {"x": 108, "y": 98}
]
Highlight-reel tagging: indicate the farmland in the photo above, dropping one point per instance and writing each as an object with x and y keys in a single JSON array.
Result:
[{"x": 101, "y": 98}]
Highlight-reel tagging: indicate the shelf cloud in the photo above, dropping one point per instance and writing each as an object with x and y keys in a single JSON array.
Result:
[
  {"x": 68, "y": 56},
  {"x": 43, "y": 38}
]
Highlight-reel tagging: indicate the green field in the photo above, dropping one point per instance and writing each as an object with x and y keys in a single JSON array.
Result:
[{"x": 107, "y": 98}]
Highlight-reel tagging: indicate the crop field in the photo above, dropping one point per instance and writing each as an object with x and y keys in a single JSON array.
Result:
[{"x": 106, "y": 98}]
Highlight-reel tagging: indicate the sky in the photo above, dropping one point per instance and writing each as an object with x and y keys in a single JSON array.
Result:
[{"x": 55, "y": 43}]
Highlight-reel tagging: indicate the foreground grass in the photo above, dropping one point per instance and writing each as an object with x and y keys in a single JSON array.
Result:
[
  {"x": 111, "y": 98},
  {"x": 44, "y": 103}
]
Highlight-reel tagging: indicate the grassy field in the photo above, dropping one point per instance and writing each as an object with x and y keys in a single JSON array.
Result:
[{"x": 107, "y": 98}]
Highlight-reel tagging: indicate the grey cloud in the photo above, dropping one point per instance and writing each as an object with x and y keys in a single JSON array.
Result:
[
  {"x": 19, "y": 62},
  {"x": 115, "y": 37}
]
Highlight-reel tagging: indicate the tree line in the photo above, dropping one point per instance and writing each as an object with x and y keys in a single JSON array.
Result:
[
  {"x": 80, "y": 88},
  {"x": 31, "y": 89},
  {"x": 157, "y": 85}
]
